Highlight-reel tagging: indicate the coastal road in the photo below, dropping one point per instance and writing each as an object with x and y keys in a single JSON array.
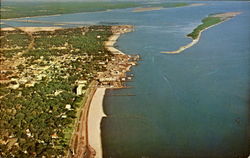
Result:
[{"x": 80, "y": 145}]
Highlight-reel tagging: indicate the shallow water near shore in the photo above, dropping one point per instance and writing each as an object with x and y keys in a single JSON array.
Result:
[{"x": 193, "y": 104}]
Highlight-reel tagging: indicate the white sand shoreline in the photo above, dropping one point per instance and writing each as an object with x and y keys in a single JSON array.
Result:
[
  {"x": 96, "y": 112},
  {"x": 136, "y": 10},
  {"x": 194, "y": 41},
  {"x": 31, "y": 29},
  {"x": 111, "y": 42},
  {"x": 95, "y": 116}
]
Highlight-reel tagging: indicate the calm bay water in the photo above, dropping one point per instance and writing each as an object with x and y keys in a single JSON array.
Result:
[{"x": 194, "y": 104}]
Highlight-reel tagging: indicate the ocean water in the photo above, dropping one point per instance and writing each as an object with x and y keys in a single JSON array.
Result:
[{"x": 189, "y": 105}]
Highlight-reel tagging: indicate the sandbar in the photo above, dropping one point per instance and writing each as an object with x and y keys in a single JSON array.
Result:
[
  {"x": 147, "y": 9},
  {"x": 31, "y": 29},
  {"x": 197, "y": 4}
]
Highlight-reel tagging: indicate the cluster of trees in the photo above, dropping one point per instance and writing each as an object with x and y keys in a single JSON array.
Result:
[
  {"x": 39, "y": 111},
  {"x": 30, "y": 116},
  {"x": 207, "y": 22},
  {"x": 13, "y": 40},
  {"x": 91, "y": 42},
  {"x": 10, "y": 53},
  {"x": 78, "y": 41},
  {"x": 85, "y": 40}
]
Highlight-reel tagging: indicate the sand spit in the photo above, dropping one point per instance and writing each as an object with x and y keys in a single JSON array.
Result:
[
  {"x": 182, "y": 48},
  {"x": 94, "y": 121},
  {"x": 7, "y": 29},
  {"x": 147, "y": 9},
  {"x": 31, "y": 29},
  {"x": 224, "y": 16},
  {"x": 38, "y": 16},
  {"x": 197, "y": 4}
]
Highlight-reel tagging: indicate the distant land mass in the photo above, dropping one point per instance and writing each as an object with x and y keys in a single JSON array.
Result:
[
  {"x": 108, "y": 0},
  {"x": 28, "y": 9}
]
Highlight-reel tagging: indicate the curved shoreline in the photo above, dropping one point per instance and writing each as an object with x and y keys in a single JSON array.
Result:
[
  {"x": 194, "y": 41},
  {"x": 111, "y": 42},
  {"x": 96, "y": 111},
  {"x": 86, "y": 138}
]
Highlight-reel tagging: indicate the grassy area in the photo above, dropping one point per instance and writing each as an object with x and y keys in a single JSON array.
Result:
[
  {"x": 13, "y": 43},
  {"x": 25, "y": 9},
  {"x": 207, "y": 22}
]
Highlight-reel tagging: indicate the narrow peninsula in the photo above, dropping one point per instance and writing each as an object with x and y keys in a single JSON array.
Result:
[{"x": 208, "y": 22}]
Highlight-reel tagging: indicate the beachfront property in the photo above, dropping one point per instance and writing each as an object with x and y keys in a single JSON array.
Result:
[
  {"x": 50, "y": 64},
  {"x": 117, "y": 68},
  {"x": 81, "y": 84}
]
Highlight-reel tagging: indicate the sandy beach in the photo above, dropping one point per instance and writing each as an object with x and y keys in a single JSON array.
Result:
[
  {"x": 147, "y": 9},
  {"x": 113, "y": 38},
  {"x": 197, "y": 4},
  {"x": 95, "y": 109},
  {"x": 110, "y": 44},
  {"x": 94, "y": 121},
  {"x": 31, "y": 29}
]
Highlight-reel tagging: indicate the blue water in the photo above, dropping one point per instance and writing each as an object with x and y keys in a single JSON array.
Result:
[{"x": 189, "y": 105}]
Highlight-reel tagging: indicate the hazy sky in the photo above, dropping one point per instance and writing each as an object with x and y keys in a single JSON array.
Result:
[
  {"x": 87, "y": 0},
  {"x": 76, "y": 0},
  {"x": 105, "y": 0},
  {"x": 93, "y": 0}
]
